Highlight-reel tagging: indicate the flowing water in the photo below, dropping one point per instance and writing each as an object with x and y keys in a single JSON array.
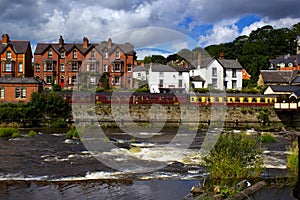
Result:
[{"x": 49, "y": 166}]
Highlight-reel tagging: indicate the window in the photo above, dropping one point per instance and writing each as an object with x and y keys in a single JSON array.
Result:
[
  {"x": 50, "y": 54},
  {"x": 74, "y": 66},
  {"x": 117, "y": 54},
  {"x": 74, "y": 80},
  {"x": 93, "y": 54},
  {"x": 8, "y": 55},
  {"x": 117, "y": 67},
  {"x": 62, "y": 67},
  {"x": 20, "y": 93},
  {"x": 129, "y": 67},
  {"x": 234, "y": 86},
  {"x": 117, "y": 80},
  {"x": 105, "y": 67},
  {"x": 2, "y": 93},
  {"x": 214, "y": 82},
  {"x": 233, "y": 73},
  {"x": 180, "y": 83},
  {"x": 105, "y": 55},
  {"x": 20, "y": 67},
  {"x": 74, "y": 54},
  {"x": 180, "y": 74},
  {"x": 62, "y": 54},
  {"x": 139, "y": 74},
  {"x": 161, "y": 73},
  {"x": 93, "y": 80},
  {"x": 37, "y": 67},
  {"x": 161, "y": 83},
  {"x": 49, "y": 66},
  {"x": 290, "y": 64},
  {"x": 214, "y": 72},
  {"x": 92, "y": 67},
  {"x": 8, "y": 67},
  {"x": 48, "y": 79}
]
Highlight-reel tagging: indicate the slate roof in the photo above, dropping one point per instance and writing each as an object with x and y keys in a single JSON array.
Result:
[
  {"x": 162, "y": 68},
  {"x": 197, "y": 79},
  {"x": 140, "y": 69},
  {"x": 19, "y": 46},
  {"x": 230, "y": 64},
  {"x": 18, "y": 80},
  {"x": 284, "y": 88},
  {"x": 277, "y": 76},
  {"x": 126, "y": 48}
]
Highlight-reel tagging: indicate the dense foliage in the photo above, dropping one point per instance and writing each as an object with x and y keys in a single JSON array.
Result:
[
  {"x": 255, "y": 50},
  {"x": 235, "y": 156},
  {"x": 41, "y": 107}
]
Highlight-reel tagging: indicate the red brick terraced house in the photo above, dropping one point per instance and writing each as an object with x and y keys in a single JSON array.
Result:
[
  {"x": 18, "y": 89},
  {"x": 75, "y": 65},
  {"x": 16, "y": 58}
]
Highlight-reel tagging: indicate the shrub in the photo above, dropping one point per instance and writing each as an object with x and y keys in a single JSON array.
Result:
[
  {"x": 267, "y": 138},
  {"x": 15, "y": 135},
  {"x": 72, "y": 134},
  {"x": 8, "y": 132},
  {"x": 235, "y": 156},
  {"x": 59, "y": 123},
  {"x": 292, "y": 158},
  {"x": 244, "y": 110},
  {"x": 31, "y": 133}
]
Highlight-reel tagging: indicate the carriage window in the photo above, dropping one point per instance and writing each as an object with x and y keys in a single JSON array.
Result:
[
  {"x": 254, "y": 100},
  {"x": 246, "y": 100},
  {"x": 262, "y": 100},
  {"x": 216, "y": 99},
  {"x": 199, "y": 99}
]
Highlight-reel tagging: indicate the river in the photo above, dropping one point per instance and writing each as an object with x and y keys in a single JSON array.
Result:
[{"x": 49, "y": 166}]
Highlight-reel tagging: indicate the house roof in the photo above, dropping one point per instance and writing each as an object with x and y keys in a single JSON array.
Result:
[
  {"x": 19, "y": 80},
  {"x": 140, "y": 69},
  {"x": 197, "y": 79},
  {"x": 19, "y": 46},
  {"x": 284, "y": 88},
  {"x": 126, "y": 48},
  {"x": 162, "y": 68},
  {"x": 230, "y": 64},
  {"x": 277, "y": 76}
]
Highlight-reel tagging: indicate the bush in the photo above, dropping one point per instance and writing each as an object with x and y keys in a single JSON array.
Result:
[
  {"x": 31, "y": 133},
  {"x": 72, "y": 134},
  {"x": 59, "y": 123},
  {"x": 292, "y": 158},
  {"x": 8, "y": 132},
  {"x": 235, "y": 156},
  {"x": 267, "y": 138}
]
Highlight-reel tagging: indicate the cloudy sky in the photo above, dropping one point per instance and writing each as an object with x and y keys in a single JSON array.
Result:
[{"x": 204, "y": 21}]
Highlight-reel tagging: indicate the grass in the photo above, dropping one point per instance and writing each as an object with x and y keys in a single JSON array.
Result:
[
  {"x": 9, "y": 133},
  {"x": 292, "y": 159},
  {"x": 31, "y": 133},
  {"x": 267, "y": 138}
]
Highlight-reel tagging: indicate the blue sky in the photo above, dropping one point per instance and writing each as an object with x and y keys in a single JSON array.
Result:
[{"x": 206, "y": 22}]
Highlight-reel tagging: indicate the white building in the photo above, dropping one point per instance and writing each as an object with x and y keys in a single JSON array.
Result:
[
  {"x": 139, "y": 75},
  {"x": 218, "y": 73},
  {"x": 165, "y": 79}
]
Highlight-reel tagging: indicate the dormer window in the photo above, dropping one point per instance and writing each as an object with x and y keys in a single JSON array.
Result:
[
  {"x": 74, "y": 54},
  {"x": 105, "y": 55},
  {"x": 117, "y": 54},
  {"x": 93, "y": 54},
  {"x": 62, "y": 54},
  {"x": 282, "y": 64},
  {"x": 290, "y": 64},
  {"x": 50, "y": 54},
  {"x": 8, "y": 55}
]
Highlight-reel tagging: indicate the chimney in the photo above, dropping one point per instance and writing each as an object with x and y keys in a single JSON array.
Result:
[
  {"x": 61, "y": 41},
  {"x": 222, "y": 57},
  {"x": 5, "y": 38},
  {"x": 85, "y": 42},
  {"x": 199, "y": 61},
  {"x": 109, "y": 43}
]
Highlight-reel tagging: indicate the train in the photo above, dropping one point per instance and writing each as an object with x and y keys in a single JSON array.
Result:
[{"x": 144, "y": 98}]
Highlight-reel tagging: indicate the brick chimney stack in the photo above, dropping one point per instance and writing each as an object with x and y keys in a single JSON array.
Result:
[
  {"x": 5, "y": 38},
  {"x": 61, "y": 41},
  {"x": 85, "y": 42},
  {"x": 199, "y": 60},
  {"x": 222, "y": 57},
  {"x": 109, "y": 43}
]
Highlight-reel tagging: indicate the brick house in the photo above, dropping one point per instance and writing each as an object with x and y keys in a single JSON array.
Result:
[
  {"x": 16, "y": 58},
  {"x": 18, "y": 89},
  {"x": 82, "y": 64}
]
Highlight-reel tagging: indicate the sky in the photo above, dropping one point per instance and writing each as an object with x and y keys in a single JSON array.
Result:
[{"x": 145, "y": 23}]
